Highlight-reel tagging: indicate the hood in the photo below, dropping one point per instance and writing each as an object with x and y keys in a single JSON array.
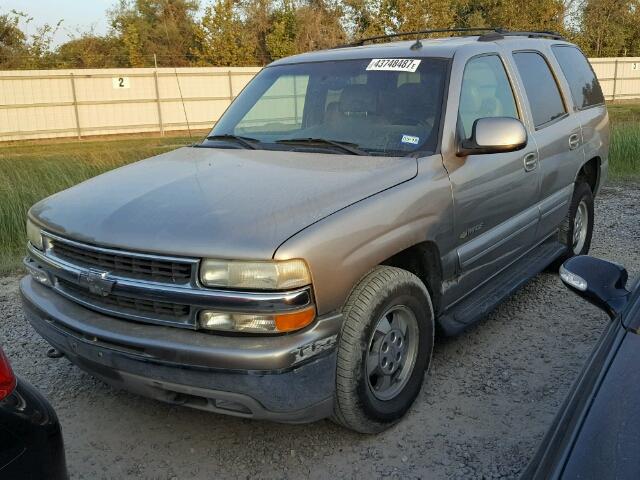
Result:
[{"x": 224, "y": 203}]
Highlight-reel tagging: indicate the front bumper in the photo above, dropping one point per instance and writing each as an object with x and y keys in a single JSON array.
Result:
[{"x": 286, "y": 378}]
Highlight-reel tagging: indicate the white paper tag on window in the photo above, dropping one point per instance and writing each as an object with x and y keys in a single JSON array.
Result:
[
  {"x": 410, "y": 139},
  {"x": 394, "y": 64}
]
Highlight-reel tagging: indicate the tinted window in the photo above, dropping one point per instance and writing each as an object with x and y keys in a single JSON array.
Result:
[
  {"x": 383, "y": 112},
  {"x": 542, "y": 89},
  {"x": 584, "y": 85},
  {"x": 486, "y": 92}
]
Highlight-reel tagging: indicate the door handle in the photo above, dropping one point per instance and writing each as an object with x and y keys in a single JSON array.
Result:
[
  {"x": 574, "y": 141},
  {"x": 530, "y": 161}
]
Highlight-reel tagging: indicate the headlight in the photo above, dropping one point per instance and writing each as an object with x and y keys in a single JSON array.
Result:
[
  {"x": 34, "y": 235},
  {"x": 270, "y": 275},
  {"x": 256, "y": 323}
]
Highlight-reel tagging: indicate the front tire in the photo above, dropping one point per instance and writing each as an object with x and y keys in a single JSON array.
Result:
[{"x": 385, "y": 348}]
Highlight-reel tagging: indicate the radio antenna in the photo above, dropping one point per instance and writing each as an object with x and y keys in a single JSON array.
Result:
[{"x": 184, "y": 108}]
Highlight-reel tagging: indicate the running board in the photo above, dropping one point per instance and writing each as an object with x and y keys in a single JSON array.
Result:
[{"x": 487, "y": 297}]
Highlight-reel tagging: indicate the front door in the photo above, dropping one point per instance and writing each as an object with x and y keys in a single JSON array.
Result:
[{"x": 494, "y": 195}]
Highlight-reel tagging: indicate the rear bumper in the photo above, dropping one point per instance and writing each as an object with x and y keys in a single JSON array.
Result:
[
  {"x": 288, "y": 378},
  {"x": 31, "y": 444}
]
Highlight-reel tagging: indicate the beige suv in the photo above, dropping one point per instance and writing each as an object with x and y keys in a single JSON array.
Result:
[{"x": 349, "y": 204}]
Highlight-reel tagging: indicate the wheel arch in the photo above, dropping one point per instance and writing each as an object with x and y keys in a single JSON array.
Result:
[
  {"x": 589, "y": 173},
  {"x": 424, "y": 261}
]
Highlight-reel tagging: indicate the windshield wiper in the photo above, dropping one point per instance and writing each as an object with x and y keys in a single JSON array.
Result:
[
  {"x": 351, "y": 148},
  {"x": 246, "y": 142}
]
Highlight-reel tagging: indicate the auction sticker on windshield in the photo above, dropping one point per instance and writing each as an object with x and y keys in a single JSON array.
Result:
[{"x": 394, "y": 64}]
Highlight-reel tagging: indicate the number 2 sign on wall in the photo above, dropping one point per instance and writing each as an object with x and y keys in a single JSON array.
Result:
[{"x": 121, "y": 82}]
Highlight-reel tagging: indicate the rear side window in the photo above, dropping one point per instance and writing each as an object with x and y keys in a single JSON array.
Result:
[
  {"x": 541, "y": 87},
  {"x": 585, "y": 89},
  {"x": 485, "y": 92}
]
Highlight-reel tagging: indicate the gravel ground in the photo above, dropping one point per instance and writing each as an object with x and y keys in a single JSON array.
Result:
[{"x": 490, "y": 395}]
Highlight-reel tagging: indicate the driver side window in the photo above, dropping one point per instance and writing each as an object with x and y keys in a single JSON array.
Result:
[{"x": 485, "y": 92}]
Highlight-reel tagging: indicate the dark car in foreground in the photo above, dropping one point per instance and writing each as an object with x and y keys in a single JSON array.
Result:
[
  {"x": 31, "y": 445},
  {"x": 596, "y": 434}
]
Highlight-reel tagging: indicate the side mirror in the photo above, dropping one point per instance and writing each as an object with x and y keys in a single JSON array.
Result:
[
  {"x": 494, "y": 135},
  {"x": 600, "y": 282}
]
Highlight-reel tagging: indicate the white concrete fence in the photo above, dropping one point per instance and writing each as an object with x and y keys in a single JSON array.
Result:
[
  {"x": 67, "y": 103},
  {"x": 619, "y": 77}
]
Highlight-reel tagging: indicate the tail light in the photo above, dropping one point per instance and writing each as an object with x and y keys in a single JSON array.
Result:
[{"x": 7, "y": 378}]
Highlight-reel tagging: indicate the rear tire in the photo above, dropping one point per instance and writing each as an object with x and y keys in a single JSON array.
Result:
[
  {"x": 384, "y": 350},
  {"x": 576, "y": 230}
]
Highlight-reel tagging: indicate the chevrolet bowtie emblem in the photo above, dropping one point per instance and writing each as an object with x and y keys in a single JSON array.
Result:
[{"x": 96, "y": 282}]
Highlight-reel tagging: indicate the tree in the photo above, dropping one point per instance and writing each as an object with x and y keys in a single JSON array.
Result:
[
  {"x": 222, "y": 38},
  {"x": 319, "y": 25},
  {"x": 281, "y": 39},
  {"x": 164, "y": 27},
  {"x": 412, "y": 15},
  {"x": 609, "y": 28},
  {"x": 17, "y": 50},
  {"x": 363, "y": 18},
  {"x": 246, "y": 32},
  {"x": 13, "y": 42},
  {"x": 91, "y": 51},
  {"x": 256, "y": 16},
  {"x": 520, "y": 15}
]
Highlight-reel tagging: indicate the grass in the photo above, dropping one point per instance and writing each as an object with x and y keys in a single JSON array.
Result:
[
  {"x": 624, "y": 154},
  {"x": 30, "y": 171}
]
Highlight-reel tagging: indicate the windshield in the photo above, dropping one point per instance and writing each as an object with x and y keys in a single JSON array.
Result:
[{"x": 376, "y": 106}]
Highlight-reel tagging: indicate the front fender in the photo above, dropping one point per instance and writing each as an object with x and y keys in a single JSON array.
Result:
[{"x": 343, "y": 247}]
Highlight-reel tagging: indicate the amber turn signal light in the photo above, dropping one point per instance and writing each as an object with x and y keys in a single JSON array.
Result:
[{"x": 287, "y": 322}]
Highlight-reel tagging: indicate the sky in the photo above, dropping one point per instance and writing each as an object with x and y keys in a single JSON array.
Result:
[{"x": 77, "y": 15}]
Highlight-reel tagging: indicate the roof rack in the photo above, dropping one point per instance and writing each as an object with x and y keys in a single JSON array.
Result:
[
  {"x": 493, "y": 33},
  {"x": 499, "y": 34},
  {"x": 362, "y": 41}
]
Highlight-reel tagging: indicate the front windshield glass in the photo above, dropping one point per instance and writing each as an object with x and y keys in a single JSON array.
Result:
[{"x": 369, "y": 106}]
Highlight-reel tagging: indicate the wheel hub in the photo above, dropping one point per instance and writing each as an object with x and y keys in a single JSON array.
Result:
[
  {"x": 580, "y": 227},
  {"x": 391, "y": 352}
]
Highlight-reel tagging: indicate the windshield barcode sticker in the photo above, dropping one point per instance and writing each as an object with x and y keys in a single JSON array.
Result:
[{"x": 394, "y": 64}]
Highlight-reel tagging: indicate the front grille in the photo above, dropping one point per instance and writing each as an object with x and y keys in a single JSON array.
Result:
[
  {"x": 128, "y": 306},
  {"x": 122, "y": 264}
]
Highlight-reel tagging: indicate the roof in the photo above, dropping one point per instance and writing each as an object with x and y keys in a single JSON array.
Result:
[{"x": 434, "y": 47}]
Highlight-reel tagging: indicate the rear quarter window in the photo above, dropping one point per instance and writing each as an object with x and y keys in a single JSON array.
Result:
[{"x": 584, "y": 86}]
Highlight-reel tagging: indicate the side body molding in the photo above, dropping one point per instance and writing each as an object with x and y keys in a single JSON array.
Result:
[
  {"x": 548, "y": 214},
  {"x": 486, "y": 243}
]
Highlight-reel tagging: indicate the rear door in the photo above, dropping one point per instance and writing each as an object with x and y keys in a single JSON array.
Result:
[
  {"x": 494, "y": 194},
  {"x": 588, "y": 100},
  {"x": 557, "y": 134}
]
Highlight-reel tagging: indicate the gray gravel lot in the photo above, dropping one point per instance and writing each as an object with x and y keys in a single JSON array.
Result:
[{"x": 489, "y": 397}]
